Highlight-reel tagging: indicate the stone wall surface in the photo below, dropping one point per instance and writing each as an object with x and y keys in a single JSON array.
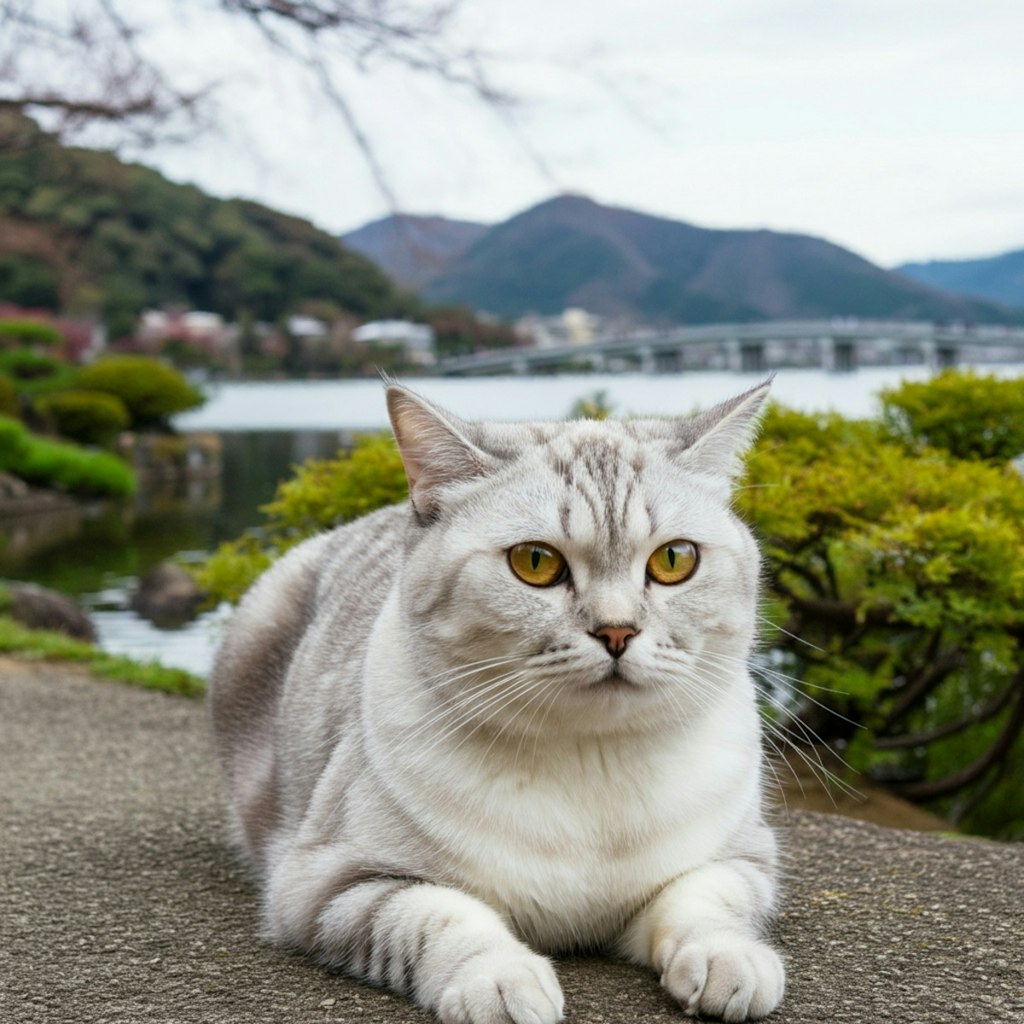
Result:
[{"x": 120, "y": 901}]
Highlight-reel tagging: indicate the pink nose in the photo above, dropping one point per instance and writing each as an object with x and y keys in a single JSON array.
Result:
[{"x": 615, "y": 638}]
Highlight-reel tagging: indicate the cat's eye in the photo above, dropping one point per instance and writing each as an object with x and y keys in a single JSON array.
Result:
[
  {"x": 673, "y": 562},
  {"x": 537, "y": 564}
]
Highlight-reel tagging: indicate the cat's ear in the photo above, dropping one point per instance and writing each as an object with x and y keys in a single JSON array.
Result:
[
  {"x": 434, "y": 448},
  {"x": 716, "y": 440}
]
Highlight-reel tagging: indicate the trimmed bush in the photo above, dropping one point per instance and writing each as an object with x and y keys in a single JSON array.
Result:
[
  {"x": 8, "y": 397},
  {"x": 61, "y": 466},
  {"x": 34, "y": 374},
  {"x": 150, "y": 391},
  {"x": 88, "y": 417},
  {"x": 27, "y": 332},
  {"x": 322, "y": 494}
]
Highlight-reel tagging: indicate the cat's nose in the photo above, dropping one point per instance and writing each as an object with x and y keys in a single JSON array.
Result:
[{"x": 615, "y": 638}]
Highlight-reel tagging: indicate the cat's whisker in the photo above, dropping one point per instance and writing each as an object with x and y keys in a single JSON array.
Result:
[
  {"x": 792, "y": 636},
  {"x": 467, "y": 697},
  {"x": 801, "y": 739}
]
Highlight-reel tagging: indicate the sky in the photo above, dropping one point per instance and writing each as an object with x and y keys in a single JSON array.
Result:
[{"x": 892, "y": 127}]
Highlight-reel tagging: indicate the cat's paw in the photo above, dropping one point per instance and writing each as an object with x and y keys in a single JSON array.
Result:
[
  {"x": 503, "y": 987},
  {"x": 724, "y": 975}
]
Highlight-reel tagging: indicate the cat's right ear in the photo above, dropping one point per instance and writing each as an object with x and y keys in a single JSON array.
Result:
[{"x": 434, "y": 448}]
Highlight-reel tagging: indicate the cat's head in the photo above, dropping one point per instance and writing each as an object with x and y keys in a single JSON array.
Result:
[{"x": 583, "y": 572}]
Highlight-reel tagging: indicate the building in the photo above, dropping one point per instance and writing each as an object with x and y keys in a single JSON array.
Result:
[{"x": 416, "y": 339}]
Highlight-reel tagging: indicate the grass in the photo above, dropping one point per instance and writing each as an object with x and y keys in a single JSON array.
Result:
[{"x": 44, "y": 645}]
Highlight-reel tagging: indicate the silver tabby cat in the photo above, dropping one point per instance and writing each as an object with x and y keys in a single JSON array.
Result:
[{"x": 513, "y": 717}]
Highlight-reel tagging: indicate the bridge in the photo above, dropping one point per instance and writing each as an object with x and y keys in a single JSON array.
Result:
[{"x": 838, "y": 344}]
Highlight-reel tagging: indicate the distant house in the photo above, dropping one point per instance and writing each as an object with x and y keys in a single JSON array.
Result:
[
  {"x": 197, "y": 325},
  {"x": 308, "y": 327},
  {"x": 573, "y": 326},
  {"x": 416, "y": 339}
]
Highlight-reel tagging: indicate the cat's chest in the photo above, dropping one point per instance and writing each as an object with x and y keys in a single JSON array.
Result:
[{"x": 569, "y": 855}]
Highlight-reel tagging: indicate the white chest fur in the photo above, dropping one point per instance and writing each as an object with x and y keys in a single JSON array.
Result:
[{"x": 567, "y": 837}]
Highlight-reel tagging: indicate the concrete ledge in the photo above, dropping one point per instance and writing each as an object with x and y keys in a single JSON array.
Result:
[{"x": 120, "y": 902}]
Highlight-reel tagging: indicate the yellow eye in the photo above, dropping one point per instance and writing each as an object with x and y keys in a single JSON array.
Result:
[
  {"x": 673, "y": 562},
  {"x": 537, "y": 564}
]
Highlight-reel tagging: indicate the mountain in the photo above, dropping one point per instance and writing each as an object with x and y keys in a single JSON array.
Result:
[
  {"x": 413, "y": 249},
  {"x": 572, "y": 251},
  {"x": 80, "y": 230},
  {"x": 999, "y": 278}
]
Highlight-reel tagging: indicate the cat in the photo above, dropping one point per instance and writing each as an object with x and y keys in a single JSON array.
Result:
[{"x": 512, "y": 717}]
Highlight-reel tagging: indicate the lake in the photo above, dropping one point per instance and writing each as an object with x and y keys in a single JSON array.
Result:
[
  {"x": 268, "y": 428},
  {"x": 359, "y": 405}
]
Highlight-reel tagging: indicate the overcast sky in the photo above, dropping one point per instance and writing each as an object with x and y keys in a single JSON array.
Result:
[{"x": 892, "y": 127}]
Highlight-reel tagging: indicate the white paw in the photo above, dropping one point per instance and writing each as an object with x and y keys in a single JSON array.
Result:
[
  {"x": 725, "y": 975},
  {"x": 502, "y": 986}
]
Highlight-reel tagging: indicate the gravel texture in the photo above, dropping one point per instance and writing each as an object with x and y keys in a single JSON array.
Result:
[{"x": 120, "y": 901}]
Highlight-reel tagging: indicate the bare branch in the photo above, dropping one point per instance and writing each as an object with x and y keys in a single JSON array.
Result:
[{"x": 85, "y": 65}]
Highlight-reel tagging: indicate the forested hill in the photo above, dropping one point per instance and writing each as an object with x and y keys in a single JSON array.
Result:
[
  {"x": 81, "y": 231},
  {"x": 999, "y": 278},
  {"x": 413, "y": 249},
  {"x": 571, "y": 251}
]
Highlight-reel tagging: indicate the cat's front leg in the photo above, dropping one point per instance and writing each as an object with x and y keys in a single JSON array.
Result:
[
  {"x": 445, "y": 949},
  {"x": 701, "y": 934}
]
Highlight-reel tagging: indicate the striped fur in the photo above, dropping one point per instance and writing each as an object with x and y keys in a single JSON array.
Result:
[{"x": 441, "y": 773}]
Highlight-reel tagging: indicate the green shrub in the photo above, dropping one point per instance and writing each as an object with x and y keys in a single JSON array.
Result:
[
  {"x": 88, "y": 417},
  {"x": 31, "y": 372},
  {"x": 8, "y": 397},
  {"x": 151, "y": 391},
  {"x": 28, "y": 332},
  {"x": 65, "y": 467},
  {"x": 970, "y": 415},
  {"x": 327, "y": 492},
  {"x": 899, "y": 576},
  {"x": 595, "y": 406},
  {"x": 322, "y": 494}
]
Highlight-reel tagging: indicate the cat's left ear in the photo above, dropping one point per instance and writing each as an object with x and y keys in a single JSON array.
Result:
[
  {"x": 434, "y": 448},
  {"x": 715, "y": 441}
]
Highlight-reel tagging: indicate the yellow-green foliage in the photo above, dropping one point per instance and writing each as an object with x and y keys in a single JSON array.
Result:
[
  {"x": 895, "y": 578},
  {"x": 905, "y": 571},
  {"x": 236, "y": 564},
  {"x": 323, "y": 493},
  {"x": 89, "y": 417},
  {"x": 970, "y": 415},
  {"x": 326, "y": 492},
  {"x": 150, "y": 391},
  {"x": 595, "y": 406}
]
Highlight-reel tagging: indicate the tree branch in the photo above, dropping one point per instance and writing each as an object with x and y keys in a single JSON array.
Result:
[
  {"x": 941, "y": 732},
  {"x": 934, "y": 670},
  {"x": 934, "y": 788}
]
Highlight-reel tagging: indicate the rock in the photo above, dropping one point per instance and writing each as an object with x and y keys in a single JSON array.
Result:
[
  {"x": 38, "y": 608},
  {"x": 167, "y": 596}
]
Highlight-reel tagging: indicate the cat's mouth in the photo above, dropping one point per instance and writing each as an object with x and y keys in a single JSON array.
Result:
[{"x": 614, "y": 679}]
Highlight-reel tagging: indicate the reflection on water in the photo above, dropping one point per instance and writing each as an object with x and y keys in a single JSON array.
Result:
[{"x": 99, "y": 556}]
